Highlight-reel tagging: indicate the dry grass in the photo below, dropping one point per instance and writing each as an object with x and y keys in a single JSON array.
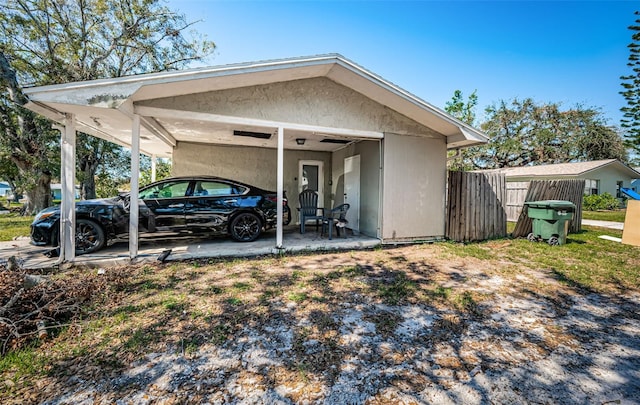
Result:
[{"x": 187, "y": 307}]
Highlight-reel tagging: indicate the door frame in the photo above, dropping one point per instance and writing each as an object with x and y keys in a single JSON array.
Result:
[{"x": 320, "y": 165}]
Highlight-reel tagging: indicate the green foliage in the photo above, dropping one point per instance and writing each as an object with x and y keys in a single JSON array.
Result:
[
  {"x": 63, "y": 41},
  {"x": 465, "y": 112},
  {"x": 163, "y": 170},
  {"x": 597, "y": 202},
  {"x": 523, "y": 132},
  {"x": 631, "y": 89}
]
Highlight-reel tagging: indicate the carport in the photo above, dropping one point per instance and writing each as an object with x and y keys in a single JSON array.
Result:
[{"x": 255, "y": 120}]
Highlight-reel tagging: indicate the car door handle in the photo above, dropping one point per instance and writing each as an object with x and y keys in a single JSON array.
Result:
[{"x": 230, "y": 201}]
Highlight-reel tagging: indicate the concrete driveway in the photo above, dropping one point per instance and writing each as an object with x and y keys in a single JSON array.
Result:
[{"x": 32, "y": 257}]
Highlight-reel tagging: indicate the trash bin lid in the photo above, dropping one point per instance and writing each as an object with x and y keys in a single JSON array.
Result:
[{"x": 551, "y": 204}]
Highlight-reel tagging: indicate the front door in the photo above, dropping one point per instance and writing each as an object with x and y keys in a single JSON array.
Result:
[{"x": 311, "y": 177}]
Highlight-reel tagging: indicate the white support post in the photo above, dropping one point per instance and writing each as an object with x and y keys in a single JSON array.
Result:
[
  {"x": 68, "y": 180},
  {"x": 133, "y": 196},
  {"x": 280, "y": 183},
  {"x": 153, "y": 168}
]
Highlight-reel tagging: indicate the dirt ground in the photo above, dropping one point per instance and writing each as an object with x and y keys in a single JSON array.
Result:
[{"x": 410, "y": 325}]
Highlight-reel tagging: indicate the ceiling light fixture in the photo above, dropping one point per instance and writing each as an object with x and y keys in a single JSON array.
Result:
[{"x": 300, "y": 141}]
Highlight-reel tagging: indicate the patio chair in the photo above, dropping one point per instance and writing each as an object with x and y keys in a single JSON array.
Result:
[
  {"x": 336, "y": 217},
  {"x": 309, "y": 208}
]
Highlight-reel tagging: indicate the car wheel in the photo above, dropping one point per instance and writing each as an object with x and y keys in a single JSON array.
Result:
[
  {"x": 245, "y": 227},
  {"x": 89, "y": 236}
]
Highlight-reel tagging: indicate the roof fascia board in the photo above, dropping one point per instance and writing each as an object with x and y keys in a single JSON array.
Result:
[
  {"x": 188, "y": 74},
  {"x": 121, "y": 89},
  {"x": 231, "y": 120}
]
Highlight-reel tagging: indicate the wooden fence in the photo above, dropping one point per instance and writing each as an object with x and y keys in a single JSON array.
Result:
[
  {"x": 475, "y": 206},
  {"x": 568, "y": 190},
  {"x": 516, "y": 196}
]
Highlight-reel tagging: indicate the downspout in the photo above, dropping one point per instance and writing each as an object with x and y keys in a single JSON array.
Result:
[{"x": 380, "y": 188}]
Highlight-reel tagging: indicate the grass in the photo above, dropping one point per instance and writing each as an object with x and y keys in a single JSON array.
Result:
[
  {"x": 613, "y": 215},
  {"x": 585, "y": 260},
  {"x": 187, "y": 305},
  {"x": 14, "y": 225}
]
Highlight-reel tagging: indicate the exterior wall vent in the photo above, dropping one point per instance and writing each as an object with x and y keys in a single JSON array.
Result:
[{"x": 259, "y": 135}]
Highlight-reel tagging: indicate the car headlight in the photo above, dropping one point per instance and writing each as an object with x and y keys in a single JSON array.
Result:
[{"x": 43, "y": 215}]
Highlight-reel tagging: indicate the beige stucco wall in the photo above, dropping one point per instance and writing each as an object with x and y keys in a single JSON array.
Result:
[
  {"x": 317, "y": 101},
  {"x": 255, "y": 166},
  {"x": 414, "y": 162},
  {"x": 414, "y": 173},
  {"x": 369, "y": 152}
]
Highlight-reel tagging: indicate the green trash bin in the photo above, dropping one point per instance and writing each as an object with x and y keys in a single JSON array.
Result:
[{"x": 550, "y": 220}]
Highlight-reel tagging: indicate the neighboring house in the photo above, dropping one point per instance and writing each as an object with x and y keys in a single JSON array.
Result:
[
  {"x": 5, "y": 191},
  {"x": 600, "y": 176},
  {"x": 319, "y": 122},
  {"x": 56, "y": 191},
  {"x": 635, "y": 184}
]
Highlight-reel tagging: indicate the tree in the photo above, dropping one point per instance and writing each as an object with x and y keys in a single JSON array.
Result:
[
  {"x": 526, "y": 133},
  {"x": 631, "y": 89},
  {"x": 465, "y": 112},
  {"x": 49, "y": 42},
  {"x": 163, "y": 170},
  {"x": 27, "y": 141}
]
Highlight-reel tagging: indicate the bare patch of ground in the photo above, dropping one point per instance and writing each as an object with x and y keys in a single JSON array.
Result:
[{"x": 410, "y": 325}]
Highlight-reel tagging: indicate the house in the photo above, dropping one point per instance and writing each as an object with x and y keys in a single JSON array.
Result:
[
  {"x": 635, "y": 183},
  {"x": 322, "y": 122},
  {"x": 5, "y": 190},
  {"x": 56, "y": 191},
  {"x": 600, "y": 176}
]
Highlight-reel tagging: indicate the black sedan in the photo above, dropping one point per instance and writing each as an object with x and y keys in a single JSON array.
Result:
[{"x": 179, "y": 206}]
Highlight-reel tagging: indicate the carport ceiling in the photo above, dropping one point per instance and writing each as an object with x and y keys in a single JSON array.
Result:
[{"x": 104, "y": 108}]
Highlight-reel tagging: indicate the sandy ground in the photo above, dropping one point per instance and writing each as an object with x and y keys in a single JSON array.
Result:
[{"x": 530, "y": 339}]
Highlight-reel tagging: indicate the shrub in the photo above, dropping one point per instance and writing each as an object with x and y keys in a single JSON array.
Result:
[{"x": 597, "y": 202}]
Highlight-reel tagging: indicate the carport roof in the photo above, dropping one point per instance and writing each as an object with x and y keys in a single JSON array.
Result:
[{"x": 104, "y": 107}]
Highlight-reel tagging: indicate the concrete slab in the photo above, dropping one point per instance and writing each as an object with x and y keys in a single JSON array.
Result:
[
  {"x": 603, "y": 224},
  {"x": 32, "y": 257}
]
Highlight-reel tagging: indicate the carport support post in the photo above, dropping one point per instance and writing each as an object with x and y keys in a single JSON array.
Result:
[
  {"x": 153, "y": 168},
  {"x": 68, "y": 180},
  {"x": 133, "y": 196},
  {"x": 280, "y": 183}
]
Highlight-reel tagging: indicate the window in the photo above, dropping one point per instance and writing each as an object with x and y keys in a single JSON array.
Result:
[
  {"x": 216, "y": 188},
  {"x": 173, "y": 189},
  {"x": 591, "y": 186}
]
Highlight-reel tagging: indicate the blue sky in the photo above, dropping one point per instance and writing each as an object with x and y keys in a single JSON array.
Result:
[{"x": 552, "y": 51}]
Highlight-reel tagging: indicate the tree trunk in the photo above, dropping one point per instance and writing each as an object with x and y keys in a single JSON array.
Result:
[
  {"x": 88, "y": 165},
  {"x": 88, "y": 189},
  {"x": 39, "y": 197}
]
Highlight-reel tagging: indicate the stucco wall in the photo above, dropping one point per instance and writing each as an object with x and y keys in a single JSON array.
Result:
[
  {"x": 369, "y": 152},
  {"x": 255, "y": 166},
  {"x": 414, "y": 187},
  {"x": 317, "y": 101}
]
